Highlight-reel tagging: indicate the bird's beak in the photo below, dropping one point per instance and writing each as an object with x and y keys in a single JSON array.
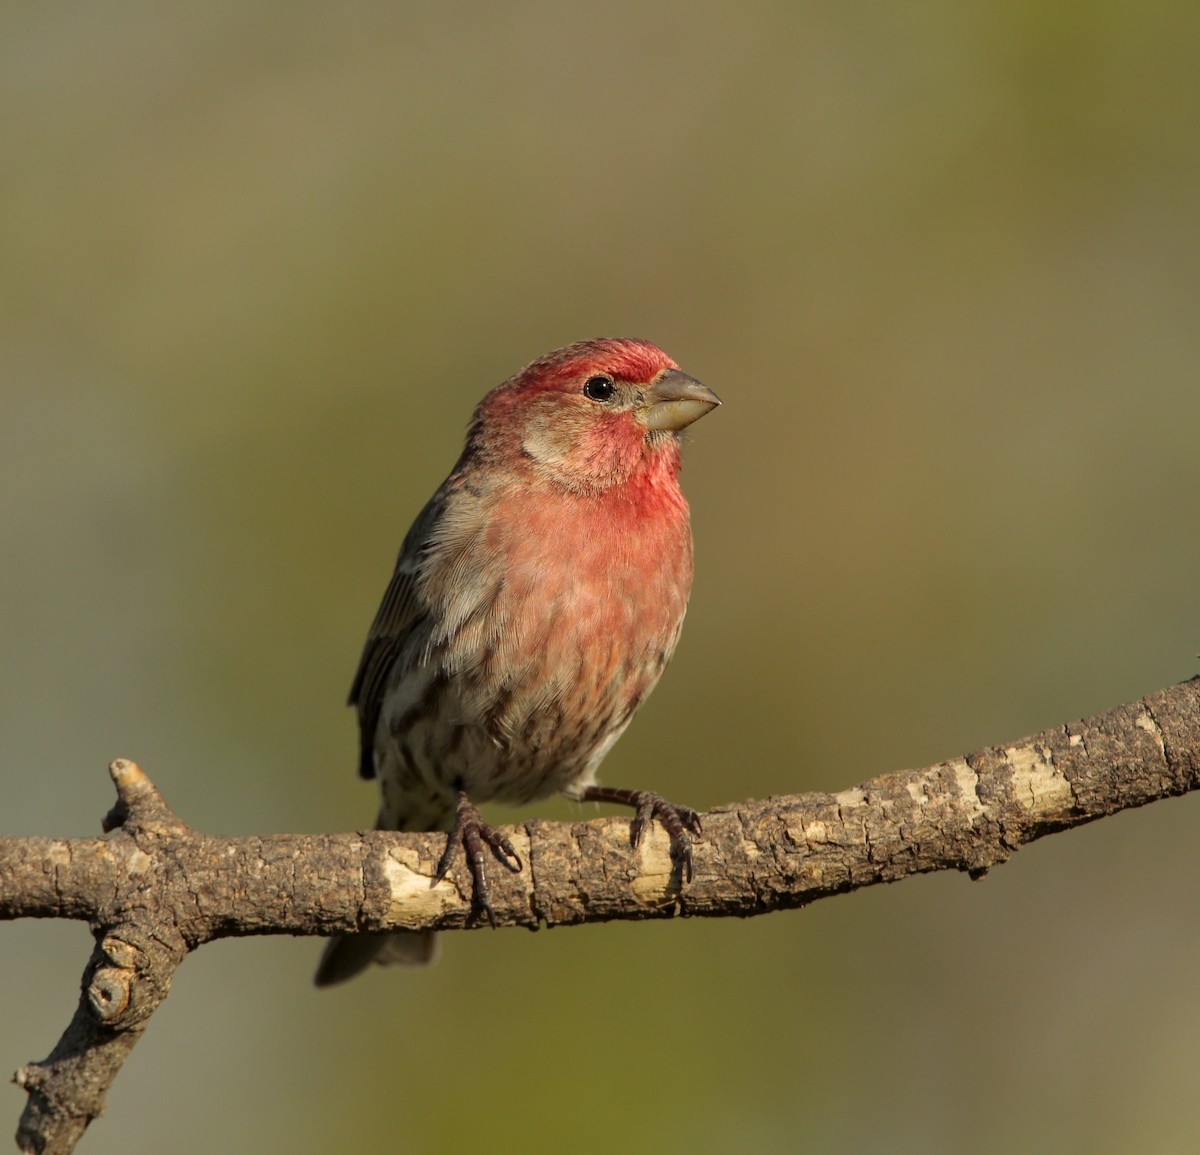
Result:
[{"x": 674, "y": 400}]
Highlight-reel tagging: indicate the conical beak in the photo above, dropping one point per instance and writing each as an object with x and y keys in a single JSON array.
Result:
[{"x": 674, "y": 400}]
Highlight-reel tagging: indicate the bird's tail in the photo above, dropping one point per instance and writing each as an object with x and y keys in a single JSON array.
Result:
[{"x": 347, "y": 955}]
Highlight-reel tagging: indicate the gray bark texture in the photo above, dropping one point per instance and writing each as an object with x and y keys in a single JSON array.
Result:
[{"x": 153, "y": 889}]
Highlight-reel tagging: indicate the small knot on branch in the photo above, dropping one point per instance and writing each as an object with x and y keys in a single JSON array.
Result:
[
  {"x": 139, "y": 804},
  {"x": 30, "y": 1077},
  {"x": 123, "y": 991},
  {"x": 109, "y": 993}
]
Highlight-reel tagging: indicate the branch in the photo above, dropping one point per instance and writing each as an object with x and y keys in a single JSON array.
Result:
[{"x": 155, "y": 889}]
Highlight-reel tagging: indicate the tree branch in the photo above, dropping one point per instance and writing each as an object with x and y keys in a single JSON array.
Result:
[{"x": 155, "y": 889}]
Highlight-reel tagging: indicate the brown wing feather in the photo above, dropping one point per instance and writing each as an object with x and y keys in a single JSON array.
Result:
[{"x": 400, "y": 611}]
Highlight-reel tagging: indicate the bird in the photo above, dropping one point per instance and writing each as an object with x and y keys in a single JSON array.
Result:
[{"x": 536, "y": 600}]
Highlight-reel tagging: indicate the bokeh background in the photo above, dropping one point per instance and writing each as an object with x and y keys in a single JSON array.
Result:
[{"x": 942, "y": 261}]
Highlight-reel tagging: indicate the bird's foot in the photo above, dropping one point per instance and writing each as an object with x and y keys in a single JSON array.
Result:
[
  {"x": 471, "y": 834},
  {"x": 677, "y": 820}
]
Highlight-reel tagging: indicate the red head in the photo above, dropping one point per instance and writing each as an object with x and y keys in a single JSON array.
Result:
[{"x": 593, "y": 414}]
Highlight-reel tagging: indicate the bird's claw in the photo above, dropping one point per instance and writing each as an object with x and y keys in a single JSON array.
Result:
[
  {"x": 677, "y": 820},
  {"x": 471, "y": 833}
]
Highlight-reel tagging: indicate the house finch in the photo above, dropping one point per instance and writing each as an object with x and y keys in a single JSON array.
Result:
[{"x": 535, "y": 602}]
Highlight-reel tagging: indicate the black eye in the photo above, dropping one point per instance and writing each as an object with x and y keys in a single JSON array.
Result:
[{"x": 599, "y": 388}]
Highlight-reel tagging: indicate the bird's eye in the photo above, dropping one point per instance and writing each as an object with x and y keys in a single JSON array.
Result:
[{"x": 599, "y": 388}]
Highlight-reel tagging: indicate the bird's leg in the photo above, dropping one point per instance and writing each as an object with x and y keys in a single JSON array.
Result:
[
  {"x": 676, "y": 820},
  {"x": 471, "y": 833}
]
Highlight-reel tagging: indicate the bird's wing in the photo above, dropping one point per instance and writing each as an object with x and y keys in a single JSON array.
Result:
[{"x": 401, "y": 610}]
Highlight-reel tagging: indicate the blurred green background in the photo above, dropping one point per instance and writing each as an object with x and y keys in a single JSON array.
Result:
[{"x": 942, "y": 262}]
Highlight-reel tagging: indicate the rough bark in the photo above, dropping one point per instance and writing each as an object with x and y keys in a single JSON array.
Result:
[{"x": 154, "y": 889}]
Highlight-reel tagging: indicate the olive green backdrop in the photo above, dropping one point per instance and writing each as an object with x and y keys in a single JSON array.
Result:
[{"x": 942, "y": 261}]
